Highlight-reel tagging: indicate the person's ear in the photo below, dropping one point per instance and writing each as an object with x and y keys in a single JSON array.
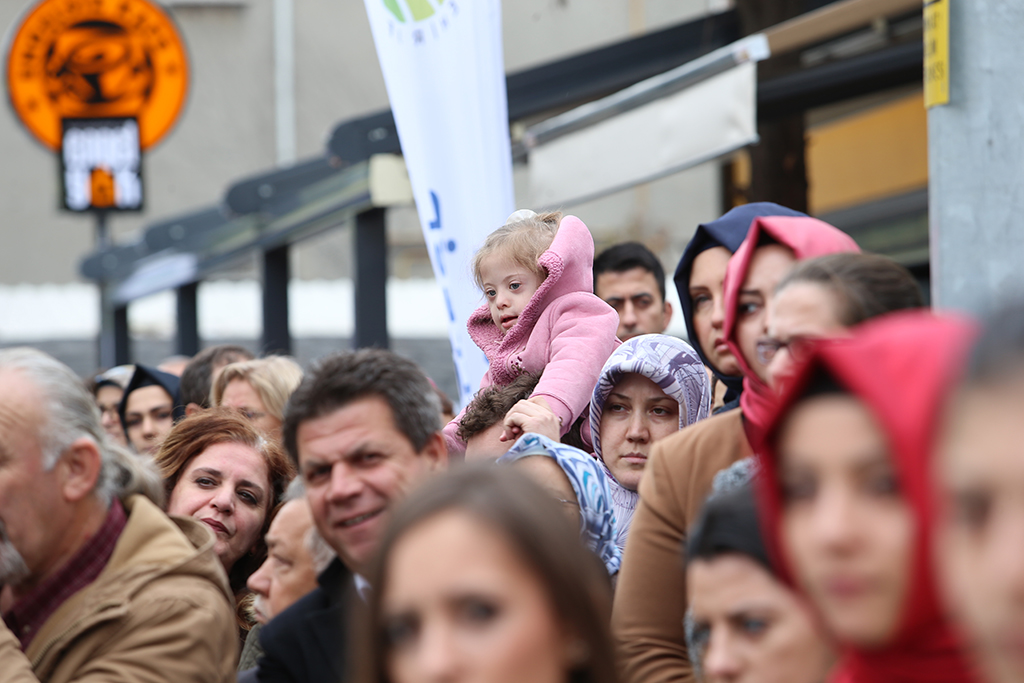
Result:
[
  {"x": 436, "y": 450},
  {"x": 79, "y": 469},
  {"x": 667, "y": 319},
  {"x": 192, "y": 408}
]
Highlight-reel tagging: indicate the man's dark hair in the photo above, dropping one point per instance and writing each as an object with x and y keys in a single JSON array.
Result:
[
  {"x": 619, "y": 258},
  {"x": 728, "y": 524},
  {"x": 197, "y": 379},
  {"x": 490, "y": 405},
  {"x": 342, "y": 378}
]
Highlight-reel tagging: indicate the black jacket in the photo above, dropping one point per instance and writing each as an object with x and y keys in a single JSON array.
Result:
[{"x": 306, "y": 643}]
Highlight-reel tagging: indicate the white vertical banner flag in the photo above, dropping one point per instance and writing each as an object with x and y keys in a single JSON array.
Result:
[{"x": 444, "y": 70}]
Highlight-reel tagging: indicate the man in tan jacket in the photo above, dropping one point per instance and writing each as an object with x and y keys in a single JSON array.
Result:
[{"x": 96, "y": 583}]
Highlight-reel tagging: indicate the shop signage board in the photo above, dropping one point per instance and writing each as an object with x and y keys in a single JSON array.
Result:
[
  {"x": 101, "y": 165},
  {"x": 120, "y": 63},
  {"x": 936, "y": 52}
]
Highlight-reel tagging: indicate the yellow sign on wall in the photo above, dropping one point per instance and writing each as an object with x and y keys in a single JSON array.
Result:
[
  {"x": 936, "y": 52},
  {"x": 71, "y": 59}
]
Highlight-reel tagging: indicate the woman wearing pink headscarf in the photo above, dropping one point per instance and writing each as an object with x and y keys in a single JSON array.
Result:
[
  {"x": 846, "y": 500},
  {"x": 650, "y": 600}
]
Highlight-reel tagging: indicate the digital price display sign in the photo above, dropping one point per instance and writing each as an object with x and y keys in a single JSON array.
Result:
[
  {"x": 101, "y": 164},
  {"x": 98, "y": 82}
]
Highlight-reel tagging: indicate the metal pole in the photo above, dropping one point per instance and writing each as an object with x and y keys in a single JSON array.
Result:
[
  {"x": 284, "y": 81},
  {"x": 187, "y": 338},
  {"x": 371, "y": 264},
  {"x": 276, "y": 274},
  {"x": 122, "y": 343},
  {"x": 107, "y": 346},
  {"x": 975, "y": 147}
]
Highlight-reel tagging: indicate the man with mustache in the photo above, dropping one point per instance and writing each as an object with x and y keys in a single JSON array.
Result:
[
  {"x": 364, "y": 428},
  {"x": 296, "y": 554},
  {"x": 95, "y": 580}
]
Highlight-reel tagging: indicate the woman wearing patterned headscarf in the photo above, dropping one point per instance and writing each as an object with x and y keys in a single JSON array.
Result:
[
  {"x": 577, "y": 481},
  {"x": 651, "y": 386}
]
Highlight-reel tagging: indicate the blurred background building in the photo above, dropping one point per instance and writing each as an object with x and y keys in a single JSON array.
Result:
[{"x": 859, "y": 161}]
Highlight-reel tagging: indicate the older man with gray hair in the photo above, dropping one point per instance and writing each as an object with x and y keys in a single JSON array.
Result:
[
  {"x": 96, "y": 582},
  {"x": 296, "y": 554}
]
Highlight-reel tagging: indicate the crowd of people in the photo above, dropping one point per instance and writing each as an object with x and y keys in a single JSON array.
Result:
[{"x": 822, "y": 485}]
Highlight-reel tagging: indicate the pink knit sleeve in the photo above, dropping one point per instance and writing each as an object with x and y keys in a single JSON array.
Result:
[{"x": 581, "y": 337}]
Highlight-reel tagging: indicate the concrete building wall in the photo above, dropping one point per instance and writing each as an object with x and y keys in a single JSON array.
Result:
[{"x": 227, "y": 130}]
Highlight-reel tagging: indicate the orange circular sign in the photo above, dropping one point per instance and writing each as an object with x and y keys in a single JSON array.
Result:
[{"x": 97, "y": 58}]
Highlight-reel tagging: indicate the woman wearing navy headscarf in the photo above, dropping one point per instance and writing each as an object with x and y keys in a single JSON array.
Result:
[
  {"x": 150, "y": 407},
  {"x": 699, "y": 278}
]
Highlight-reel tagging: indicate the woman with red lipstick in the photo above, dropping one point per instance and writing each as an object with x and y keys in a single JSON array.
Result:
[
  {"x": 846, "y": 494},
  {"x": 218, "y": 468}
]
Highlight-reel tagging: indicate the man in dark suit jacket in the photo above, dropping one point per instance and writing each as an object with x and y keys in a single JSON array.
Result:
[
  {"x": 307, "y": 641},
  {"x": 364, "y": 428}
]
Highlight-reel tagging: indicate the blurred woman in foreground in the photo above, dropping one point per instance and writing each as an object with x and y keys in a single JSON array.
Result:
[
  {"x": 980, "y": 483},
  {"x": 481, "y": 577},
  {"x": 847, "y": 499}
]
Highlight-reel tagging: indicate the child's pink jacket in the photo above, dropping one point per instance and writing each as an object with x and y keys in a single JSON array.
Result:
[{"x": 565, "y": 331}]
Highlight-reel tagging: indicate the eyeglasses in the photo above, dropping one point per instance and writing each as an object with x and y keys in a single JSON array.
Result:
[{"x": 798, "y": 348}]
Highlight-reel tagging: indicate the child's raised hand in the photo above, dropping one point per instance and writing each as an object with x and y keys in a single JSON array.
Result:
[{"x": 531, "y": 415}]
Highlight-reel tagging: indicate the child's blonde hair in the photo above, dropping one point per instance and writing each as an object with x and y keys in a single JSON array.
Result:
[{"x": 524, "y": 237}]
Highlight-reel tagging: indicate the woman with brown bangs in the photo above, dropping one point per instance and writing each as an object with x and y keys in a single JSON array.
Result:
[
  {"x": 218, "y": 468},
  {"x": 480, "y": 576}
]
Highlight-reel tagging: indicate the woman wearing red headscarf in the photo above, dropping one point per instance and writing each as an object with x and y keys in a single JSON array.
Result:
[
  {"x": 846, "y": 500},
  {"x": 650, "y": 599}
]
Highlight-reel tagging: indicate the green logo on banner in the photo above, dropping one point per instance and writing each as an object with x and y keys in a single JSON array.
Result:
[{"x": 417, "y": 9}]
